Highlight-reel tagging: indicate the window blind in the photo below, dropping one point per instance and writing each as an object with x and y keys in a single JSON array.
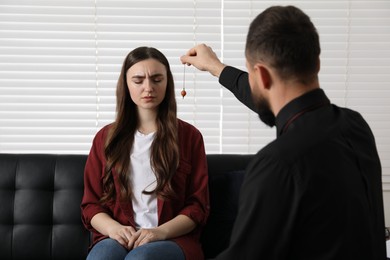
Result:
[
  {"x": 60, "y": 60},
  {"x": 47, "y": 76}
]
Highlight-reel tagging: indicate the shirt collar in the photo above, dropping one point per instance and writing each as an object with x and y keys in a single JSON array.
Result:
[{"x": 298, "y": 106}]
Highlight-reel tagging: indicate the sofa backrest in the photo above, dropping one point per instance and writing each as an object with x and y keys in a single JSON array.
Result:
[
  {"x": 40, "y": 196},
  {"x": 226, "y": 173},
  {"x": 40, "y": 199}
]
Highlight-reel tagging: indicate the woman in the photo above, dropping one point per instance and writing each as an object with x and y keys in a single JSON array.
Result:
[{"x": 145, "y": 180}]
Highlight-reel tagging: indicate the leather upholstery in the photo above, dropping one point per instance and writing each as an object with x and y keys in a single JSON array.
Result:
[
  {"x": 226, "y": 173},
  {"x": 40, "y": 197}
]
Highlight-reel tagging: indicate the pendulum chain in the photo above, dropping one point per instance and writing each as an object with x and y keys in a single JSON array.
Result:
[{"x": 183, "y": 92}]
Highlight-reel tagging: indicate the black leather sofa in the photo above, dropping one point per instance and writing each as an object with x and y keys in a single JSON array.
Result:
[{"x": 40, "y": 197}]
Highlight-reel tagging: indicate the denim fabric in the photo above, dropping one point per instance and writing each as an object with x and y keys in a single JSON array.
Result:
[{"x": 111, "y": 249}]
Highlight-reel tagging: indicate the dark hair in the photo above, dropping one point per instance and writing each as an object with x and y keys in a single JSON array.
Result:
[
  {"x": 164, "y": 150},
  {"x": 285, "y": 39}
]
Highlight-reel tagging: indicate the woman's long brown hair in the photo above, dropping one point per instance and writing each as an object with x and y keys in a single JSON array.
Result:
[{"x": 164, "y": 150}]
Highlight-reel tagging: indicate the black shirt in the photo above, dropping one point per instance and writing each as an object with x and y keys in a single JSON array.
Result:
[{"x": 313, "y": 193}]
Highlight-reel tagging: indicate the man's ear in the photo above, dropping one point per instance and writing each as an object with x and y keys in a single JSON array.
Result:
[{"x": 264, "y": 75}]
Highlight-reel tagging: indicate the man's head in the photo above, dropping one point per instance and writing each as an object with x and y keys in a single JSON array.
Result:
[
  {"x": 285, "y": 42},
  {"x": 285, "y": 39}
]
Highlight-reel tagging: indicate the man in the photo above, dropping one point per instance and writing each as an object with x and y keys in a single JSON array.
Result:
[{"x": 315, "y": 192}]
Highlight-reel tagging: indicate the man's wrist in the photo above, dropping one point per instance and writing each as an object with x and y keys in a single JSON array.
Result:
[{"x": 218, "y": 70}]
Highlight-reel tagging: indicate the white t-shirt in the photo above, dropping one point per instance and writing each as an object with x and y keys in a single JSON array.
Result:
[{"x": 142, "y": 178}]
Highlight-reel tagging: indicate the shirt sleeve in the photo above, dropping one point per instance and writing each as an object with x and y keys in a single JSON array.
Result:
[
  {"x": 268, "y": 206},
  {"x": 93, "y": 189},
  {"x": 197, "y": 204},
  {"x": 237, "y": 82}
]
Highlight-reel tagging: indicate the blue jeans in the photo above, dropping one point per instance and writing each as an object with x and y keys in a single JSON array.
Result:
[{"x": 110, "y": 249}]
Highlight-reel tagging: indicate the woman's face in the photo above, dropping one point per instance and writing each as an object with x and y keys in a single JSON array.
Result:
[{"x": 147, "y": 83}]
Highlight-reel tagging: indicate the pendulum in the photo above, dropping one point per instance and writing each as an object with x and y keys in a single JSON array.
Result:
[{"x": 183, "y": 91}]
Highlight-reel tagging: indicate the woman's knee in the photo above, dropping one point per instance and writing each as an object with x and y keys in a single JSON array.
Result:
[
  {"x": 107, "y": 249},
  {"x": 157, "y": 250}
]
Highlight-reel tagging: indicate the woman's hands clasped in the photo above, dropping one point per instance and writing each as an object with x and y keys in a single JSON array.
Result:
[
  {"x": 122, "y": 234},
  {"x": 129, "y": 238},
  {"x": 144, "y": 236}
]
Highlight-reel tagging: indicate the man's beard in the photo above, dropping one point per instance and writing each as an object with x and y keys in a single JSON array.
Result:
[{"x": 264, "y": 111}]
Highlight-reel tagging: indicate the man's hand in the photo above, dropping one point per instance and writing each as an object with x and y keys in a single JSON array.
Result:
[{"x": 203, "y": 58}]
